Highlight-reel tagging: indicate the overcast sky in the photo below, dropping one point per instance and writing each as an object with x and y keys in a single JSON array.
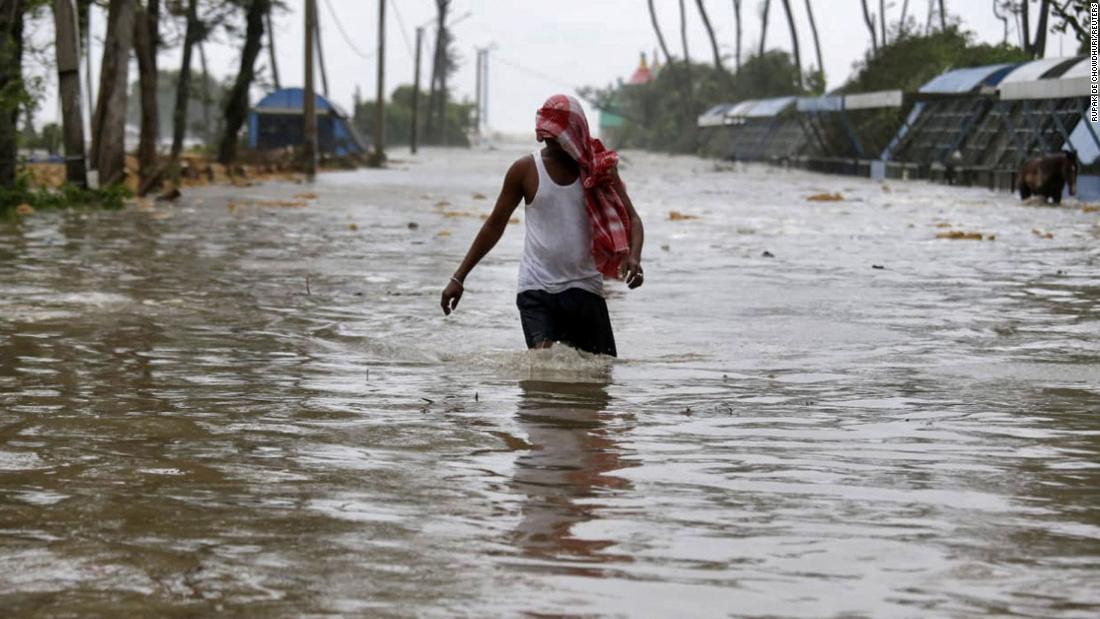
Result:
[{"x": 547, "y": 46}]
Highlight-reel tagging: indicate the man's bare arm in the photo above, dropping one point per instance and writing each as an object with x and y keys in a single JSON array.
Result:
[{"x": 510, "y": 195}]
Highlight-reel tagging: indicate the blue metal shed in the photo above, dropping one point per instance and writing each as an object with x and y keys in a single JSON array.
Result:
[{"x": 276, "y": 122}]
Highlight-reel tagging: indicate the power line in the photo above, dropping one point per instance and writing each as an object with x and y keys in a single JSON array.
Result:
[
  {"x": 534, "y": 72},
  {"x": 344, "y": 34},
  {"x": 404, "y": 30}
]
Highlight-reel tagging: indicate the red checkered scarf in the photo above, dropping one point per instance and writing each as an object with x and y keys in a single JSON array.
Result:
[{"x": 562, "y": 119}]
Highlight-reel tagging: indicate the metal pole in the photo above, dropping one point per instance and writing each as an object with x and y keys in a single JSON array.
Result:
[
  {"x": 320, "y": 53},
  {"x": 483, "y": 115},
  {"x": 309, "y": 104},
  {"x": 380, "y": 98},
  {"x": 416, "y": 93}
]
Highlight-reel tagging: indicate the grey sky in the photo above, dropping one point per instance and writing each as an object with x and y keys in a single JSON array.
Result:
[{"x": 548, "y": 46}]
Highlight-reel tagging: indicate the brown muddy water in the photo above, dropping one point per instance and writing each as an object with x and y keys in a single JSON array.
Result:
[{"x": 230, "y": 405}]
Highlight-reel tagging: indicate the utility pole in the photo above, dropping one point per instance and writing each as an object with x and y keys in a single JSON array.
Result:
[
  {"x": 68, "y": 77},
  {"x": 416, "y": 92},
  {"x": 380, "y": 98},
  {"x": 309, "y": 104},
  {"x": 271, "y": 50},
  {"x": 477, "y": 95},
  {"x": 320, "y": 52}
]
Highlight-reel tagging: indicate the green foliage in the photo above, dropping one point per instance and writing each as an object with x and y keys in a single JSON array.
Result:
[
  {"x": 1073, "y": 17},
  {"x": 911, "y": 60},
  {"x": 399, "y": 118},
  {"x": 662, "y": 114},
  {"x": 68, "y": 196}
]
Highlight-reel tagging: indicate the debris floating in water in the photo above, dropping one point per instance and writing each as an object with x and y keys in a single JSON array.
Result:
[
  {"x": 878, "y": 266},
  {"x": 309, "y": 195},
  {"x": 960, "y": 235},
  {"x": 767, "y": 254},
  {"x": 412, "y": 225},
  {"x": 825, "y": 197},
  {"x": 478, "y": 195},
  {"x": 678, "y": 216},
  {"x": 1043, "y": 234}
]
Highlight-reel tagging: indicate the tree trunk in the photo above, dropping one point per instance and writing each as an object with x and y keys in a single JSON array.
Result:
[
  {"x": 737, "y": 20},
  {"x": 943, "y": 17},
  {"x": 657, "y": 30},
  {"x": 882, "y": 22},
  {"x": 183, "y": 84},
  {"x": 11, "y": 84},
  {"x": 794, "y": 43},
  {"x": 68, "y": 78},
  {"x": 904, "y": 13},
  {"x": 271, "y": 51},
  {"x": 688, "y": 87},
  {"x": 84, "y": 14},
  {"x": 146, "y": 33},
  {"x": 236, "y": 107},
  {"x": 1025, "y": 27},
  {"x": 1039, "y": 45},
  {"x": 817, "y": 42},
  {"x": 1004, "y": 20},
  {"x": 710, "y": 34},
  {"x": 109, "y": 121},
  {"x": 207, "y": 101},
  {"x": 870, "y": 21},
  {"x": 764, "y": 26}
]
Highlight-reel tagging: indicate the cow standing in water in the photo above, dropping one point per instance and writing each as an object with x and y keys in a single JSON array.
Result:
[{"x": 1047, "y": 175}]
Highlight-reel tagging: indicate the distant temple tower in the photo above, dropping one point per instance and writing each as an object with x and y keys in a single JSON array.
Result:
[
  {"x": 611, "y": 122},
  {"x": 642, "y": 75}
]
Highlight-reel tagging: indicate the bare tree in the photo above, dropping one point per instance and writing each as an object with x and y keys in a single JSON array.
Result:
[
  {"x": 146, "y": 35},
  {"x": 943, "y": 17},
  {"x": 710, "y": 33},
  {"x": 737, "y": 22},
  {"x": 236, "y": 105},
  {"x": 657, "y": 30},
  {"x": 870, "y": 21},
  {"x": 684, "y": 33},
  {"x": 794, "y": 43},
  {"x": 764, "y": 25},
  {"x": 817, "y": 41},
  {"x": 689, "y": 89},
  {"x": 109, "y": 121}
]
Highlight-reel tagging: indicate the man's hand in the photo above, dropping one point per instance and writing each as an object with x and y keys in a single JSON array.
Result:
[
  {"x": 631, "y": 271},
  {"x": 451, "y": 294}
]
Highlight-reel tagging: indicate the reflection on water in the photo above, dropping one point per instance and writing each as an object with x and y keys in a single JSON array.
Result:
[
  {"x": 567, "y": 469},
  {"x": 259, "y": 411}
]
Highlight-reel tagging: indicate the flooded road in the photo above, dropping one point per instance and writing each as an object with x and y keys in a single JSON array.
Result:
[{"x": 250, "y": 402}]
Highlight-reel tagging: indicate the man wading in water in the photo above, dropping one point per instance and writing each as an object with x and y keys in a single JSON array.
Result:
[{"x": 581, "y": 226}]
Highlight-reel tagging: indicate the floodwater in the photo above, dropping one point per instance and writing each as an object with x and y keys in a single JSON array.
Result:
[{"x": 232, "y": 405}]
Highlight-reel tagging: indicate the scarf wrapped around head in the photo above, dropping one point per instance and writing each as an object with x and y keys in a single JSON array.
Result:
[{"x": 562, "y": 119}]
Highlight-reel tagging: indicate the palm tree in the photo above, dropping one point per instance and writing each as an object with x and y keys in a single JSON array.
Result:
[
  {"x": 870, "y": 21},
  {"x": 737, "y": 20},
  {"x": 710, "y": 33},
  {"x": 817, "y": 41},
  {"x": 794, "y": 42},
  {"x": 660, "y": 37},
  {"x": 764, "y": 25}
]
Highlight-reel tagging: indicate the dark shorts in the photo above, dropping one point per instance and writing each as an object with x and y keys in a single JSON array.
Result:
[{"x": 575, "y": 317}]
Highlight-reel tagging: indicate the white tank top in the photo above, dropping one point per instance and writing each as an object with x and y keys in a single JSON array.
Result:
[{"x": 557, "y": 250}]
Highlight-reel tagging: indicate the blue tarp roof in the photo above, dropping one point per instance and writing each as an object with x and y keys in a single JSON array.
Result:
[
  {"x": 966, "y": 80},
  {"x": 289, "y": 99}
]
